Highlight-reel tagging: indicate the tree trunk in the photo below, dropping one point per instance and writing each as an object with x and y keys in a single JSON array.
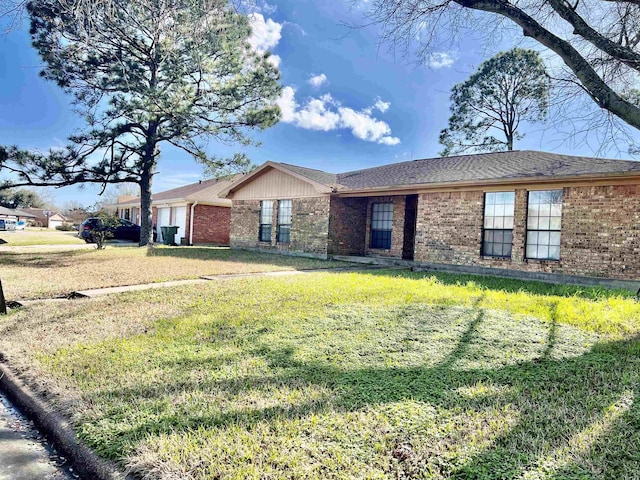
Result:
[
  {"x": 146, "y": 227},
  {"x": 3, "y": 303},
  {"x": 146, "y": 177},
  {"x": 510, "y": 142}
]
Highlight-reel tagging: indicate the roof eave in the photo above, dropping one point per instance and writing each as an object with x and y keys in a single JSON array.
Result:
[{"x": 491, "y": 182}]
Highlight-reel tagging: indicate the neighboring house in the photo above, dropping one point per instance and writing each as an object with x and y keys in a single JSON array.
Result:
[
  {"x": 45, "y": 218},
  {"x": 13, "y": 214},
  {"x": 532, "y": 212},
  {"x": 202, "y": 217}
]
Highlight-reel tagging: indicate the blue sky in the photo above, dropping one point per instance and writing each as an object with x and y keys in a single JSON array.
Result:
[{"x": 347, "y": 102}]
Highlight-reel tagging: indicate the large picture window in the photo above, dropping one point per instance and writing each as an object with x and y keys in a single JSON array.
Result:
[
  {"x": 284, "y": 221},
  {"x": 497, "y": 235},
  {"x": 266, "y": 220},
  {"x": 544, "y": 222},
  {"x": 381, "y": 225}
]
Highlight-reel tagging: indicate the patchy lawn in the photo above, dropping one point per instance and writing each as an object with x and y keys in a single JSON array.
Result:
[
  {"x": 39, "y": 236},
  {"x": 30, "y": 275},
  {"x": 346, "y": 375}
]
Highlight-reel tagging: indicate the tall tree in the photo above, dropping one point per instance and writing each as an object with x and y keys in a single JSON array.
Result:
[
  {"x": 597, "y": 40},
  {"x": 22, "y": 198},
  {"x": 152, "y": 71},
  {"x": 507, "y": 89}
]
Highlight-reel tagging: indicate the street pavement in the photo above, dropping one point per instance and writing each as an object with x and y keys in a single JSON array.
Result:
[{"x": 24, "y": 453}]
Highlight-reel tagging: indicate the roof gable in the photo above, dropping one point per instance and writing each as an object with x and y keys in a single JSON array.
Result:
[{"x": 278, "y": 180}]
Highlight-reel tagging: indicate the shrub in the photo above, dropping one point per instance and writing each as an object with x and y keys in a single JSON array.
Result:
[{"x": 65, "y": 228}]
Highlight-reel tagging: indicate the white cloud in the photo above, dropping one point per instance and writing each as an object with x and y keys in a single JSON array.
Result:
[
  {"x": 317, "y": 80},
  {"x": 388, "y": 140},
  {"x": 316, "y": 116},
  {"x": 265, "y": 34},
  {"x": 382, "y": 106},
  {"x": 327, "y": 114},
  {"x": 274, "y": 60},
  {"x": 287, "y": 104},
  {"x": 438, "y": 60}
]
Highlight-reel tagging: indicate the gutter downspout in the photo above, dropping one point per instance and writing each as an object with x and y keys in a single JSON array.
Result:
[{"x": 193, "y": 208}]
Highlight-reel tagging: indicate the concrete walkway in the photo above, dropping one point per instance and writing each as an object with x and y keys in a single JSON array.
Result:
[
  {"x": 24, "y": 453},
  {"x": 63, "y": 247},
  {"x": 100, "y": 292}
]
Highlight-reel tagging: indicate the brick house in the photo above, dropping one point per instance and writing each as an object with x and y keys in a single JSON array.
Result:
[
  {"x": 45, "y": 218},
  {"x": 522, "y": 213},
  {"x": 201, "y": 215}
]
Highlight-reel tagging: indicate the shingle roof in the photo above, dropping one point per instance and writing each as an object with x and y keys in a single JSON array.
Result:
[
  {"x": 15, "y": 213},
  {"x": 514, "y": 165},
  {"x": 39, "y": 213},
  {"x": 319, "y": 176},
  {"x": 488, "y": 166},
  {"x": 205, "y": 190}
]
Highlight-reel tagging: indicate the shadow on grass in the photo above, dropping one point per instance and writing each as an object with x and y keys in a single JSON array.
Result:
[
  {"x": 63, "y": 258},
  {"x": 514, "y": 286},
  {"x": 577, "y": 418},
  {"x": 226, "y": 254}
]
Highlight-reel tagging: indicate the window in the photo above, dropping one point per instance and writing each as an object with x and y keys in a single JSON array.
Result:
[
  {"x": 127, "y": 214},
  {"x": 266, "y": 218},
  {"x": 381, "y": 225},
  {"x": 497, "y": 235},
  {"x": 544, "y": 222},
  {"x": 284, "y": 221}
]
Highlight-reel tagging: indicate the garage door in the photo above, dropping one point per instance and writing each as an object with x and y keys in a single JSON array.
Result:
[
  {"x": 164, "y": 220},
  {"x": 179, "y": 217}
]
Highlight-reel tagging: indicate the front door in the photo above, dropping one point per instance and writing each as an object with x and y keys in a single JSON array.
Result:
[{"x": 410, "y": 217}]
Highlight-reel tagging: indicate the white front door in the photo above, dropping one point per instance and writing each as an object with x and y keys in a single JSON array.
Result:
[{"x": 164, "y": 220}]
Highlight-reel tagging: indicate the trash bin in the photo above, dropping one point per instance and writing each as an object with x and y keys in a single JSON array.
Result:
[{"x": 169, "y": 235}]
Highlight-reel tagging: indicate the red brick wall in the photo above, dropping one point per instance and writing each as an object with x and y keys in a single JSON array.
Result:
[
  {"x": 600, "y": 232},
  {"x": 309, "y": 226},
  {"x": 348, "y": 226},
  {"x": 211, "y": 224}
]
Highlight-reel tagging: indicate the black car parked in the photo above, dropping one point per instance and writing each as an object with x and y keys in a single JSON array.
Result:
[{"x": 125, "y": 230}]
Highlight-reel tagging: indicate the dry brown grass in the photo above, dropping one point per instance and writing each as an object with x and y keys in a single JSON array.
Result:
[{"x": 32, "y": 275}]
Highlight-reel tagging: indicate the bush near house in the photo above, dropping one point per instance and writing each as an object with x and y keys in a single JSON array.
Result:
[{"x": 346, "y": 375}]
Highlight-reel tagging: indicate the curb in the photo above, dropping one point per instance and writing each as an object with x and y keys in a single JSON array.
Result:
[{"x": 57, "y": 430}]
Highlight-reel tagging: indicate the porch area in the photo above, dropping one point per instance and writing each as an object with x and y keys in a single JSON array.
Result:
[{"x": 373, "y": 226}]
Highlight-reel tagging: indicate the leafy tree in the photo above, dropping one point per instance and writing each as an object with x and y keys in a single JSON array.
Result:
[
  {"x": 21, "y": 198},
  {"x": 152, "y": 71},
  {"x": 102, "y": 232},
  {"x": 506, "y": 90},
  {"x": 597, "y": 40}
]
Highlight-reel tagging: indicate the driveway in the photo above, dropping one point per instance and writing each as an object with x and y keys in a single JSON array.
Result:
[{"x": 24, "y": 453}]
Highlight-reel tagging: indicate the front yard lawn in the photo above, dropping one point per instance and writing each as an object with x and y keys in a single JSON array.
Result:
[
  {"x": 32, "y": 275},
  {"x": 345, "y": 375},
  {"x": 39, "y": 236}
]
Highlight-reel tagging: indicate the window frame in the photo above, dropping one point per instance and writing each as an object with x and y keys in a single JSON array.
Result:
[
  {"x": 388, "y": 232},
  {"x": 264, "y": 227},
  {"x": 279, "y": 232},
  {"x": 485, "y": 230},
  {"x": 549, "y": 230}
]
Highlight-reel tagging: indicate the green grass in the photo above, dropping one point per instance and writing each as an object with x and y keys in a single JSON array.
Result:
[
  {"x": 346, "y": 375},
  {"x": 39, "y": 236}
]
